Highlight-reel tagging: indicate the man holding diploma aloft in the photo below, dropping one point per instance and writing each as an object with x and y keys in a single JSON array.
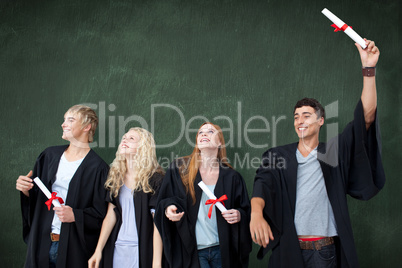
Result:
[
  {"x": 65, "y": 236},
  {"x": 299, "y": 210},
  {"x": 195, "y": 233}
]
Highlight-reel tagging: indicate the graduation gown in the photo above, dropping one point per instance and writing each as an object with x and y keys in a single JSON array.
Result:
[
  {"x": 86, "y": 195},
  {"x": 357, "y": 172},
  {"x": 179, "y": 239},
  {"x": 143, "y": 203}
]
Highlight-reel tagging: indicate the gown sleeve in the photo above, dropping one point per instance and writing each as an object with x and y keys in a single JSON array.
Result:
[
  {"x": 267, "y": 185},
  {"x": 28, "y": 203},
  {"x": 178, "y": 243},
  {"x": 242, "y": 204},
  {"x": 90, "y": 207},
  {"x": 155, "y": 182},
  {"x": 360, "y": 157}
]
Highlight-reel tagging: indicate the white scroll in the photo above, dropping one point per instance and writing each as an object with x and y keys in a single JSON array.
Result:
[
  {"x": 43, "y": 188},
  {"x": 344, "y": 27},
  {"x": 211, "y": 196}
]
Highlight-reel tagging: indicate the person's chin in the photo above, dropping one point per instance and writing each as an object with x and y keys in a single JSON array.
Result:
[
  {"x": 304, "y": 133},
  {"x": 201, "y": 146},
  {"x": 70, "y": 139},
  {"x": 207, "y": 146},
  {"x": 127, "y": 153}
]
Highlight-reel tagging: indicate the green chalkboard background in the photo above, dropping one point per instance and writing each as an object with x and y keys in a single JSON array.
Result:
[{"x": 165, "y": 64}]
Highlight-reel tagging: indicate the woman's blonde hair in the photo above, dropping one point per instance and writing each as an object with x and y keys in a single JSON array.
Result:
[
  {"x": 189, "y": 168},
  {"x": 145, "y": 161}
]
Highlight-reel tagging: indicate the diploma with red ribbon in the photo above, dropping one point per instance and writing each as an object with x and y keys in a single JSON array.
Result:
[
  {"x": 53, "y": 199},
  {"x": 339, "y": 25},
  {"x": 213, "y": 200}
]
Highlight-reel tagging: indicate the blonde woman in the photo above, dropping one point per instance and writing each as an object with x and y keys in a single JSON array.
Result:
[
  {"x": 195, "y": 234},
  {"x": 127, "y": 237}
]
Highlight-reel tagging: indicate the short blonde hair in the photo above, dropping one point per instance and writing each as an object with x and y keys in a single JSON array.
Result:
[{"x": 87, "y": 116}]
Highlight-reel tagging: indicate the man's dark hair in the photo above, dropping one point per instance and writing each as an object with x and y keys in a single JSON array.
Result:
[{"x": 319, "y": 110}]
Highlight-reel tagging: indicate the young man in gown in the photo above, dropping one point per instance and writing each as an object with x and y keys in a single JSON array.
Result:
[
  {"x": 65, "y": 236},
  {"x": 299, "y": 203}
]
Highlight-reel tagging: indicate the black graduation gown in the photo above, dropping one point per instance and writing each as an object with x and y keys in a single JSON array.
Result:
[
  {"x": 359, "y": 173},
  {"x": 86, "y": 195},
  {"x": 179, "y": 240},
  {"x": 143, "y": 203}
]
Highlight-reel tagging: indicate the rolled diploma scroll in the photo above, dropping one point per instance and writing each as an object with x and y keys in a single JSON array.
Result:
[
  {"x": 349, "y": 31},
  {"x": 41, "y": 186},
  {"x": 211, "y": 196}
]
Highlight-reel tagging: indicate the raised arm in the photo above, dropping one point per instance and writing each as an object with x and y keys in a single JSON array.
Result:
[{"x": 369, "y": 58}]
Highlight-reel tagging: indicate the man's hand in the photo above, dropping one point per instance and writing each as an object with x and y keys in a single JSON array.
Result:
[
  {"x": 65, "y": 213},
  {"x": 171, "y": 213},
  {"x": 369, "y": 56},
  {"x": 25, "y": 183},
  {"x": 260, "y": 230}
]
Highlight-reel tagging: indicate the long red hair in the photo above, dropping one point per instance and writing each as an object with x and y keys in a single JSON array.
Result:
[{"x": 191, "y": 164}]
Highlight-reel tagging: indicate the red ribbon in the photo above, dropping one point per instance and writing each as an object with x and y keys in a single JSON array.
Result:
[
  {"x": 54, "y": 197},
  {"x": 343, "y": 28},
  {"x": 213, "y": 201}
]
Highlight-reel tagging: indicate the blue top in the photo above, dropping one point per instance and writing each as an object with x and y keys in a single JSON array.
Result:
[
  {"x": 314, "y": 214},
  {"x": 128, "y": 231},
  {"x": 206, "y": 229}
]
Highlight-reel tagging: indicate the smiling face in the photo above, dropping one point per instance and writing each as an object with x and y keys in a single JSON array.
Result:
[
  {"x": 73, "y": 129},
  {"x": 306, "y": 122},
  {"x": 208, "y": 137},
  {"x": 130, "y": 142}
]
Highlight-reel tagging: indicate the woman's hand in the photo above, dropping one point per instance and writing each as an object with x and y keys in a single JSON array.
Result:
[
  {"x": 94, "y": 261},
  {"x": 171, "y": 213},
  {"x": 232, "y": 216}
]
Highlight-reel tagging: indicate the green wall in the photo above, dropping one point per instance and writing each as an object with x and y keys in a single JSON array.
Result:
[{"x": 164, "y": 64}]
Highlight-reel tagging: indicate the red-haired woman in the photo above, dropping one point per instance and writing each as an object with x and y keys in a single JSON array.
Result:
[{"x": 192, "y": 236}]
